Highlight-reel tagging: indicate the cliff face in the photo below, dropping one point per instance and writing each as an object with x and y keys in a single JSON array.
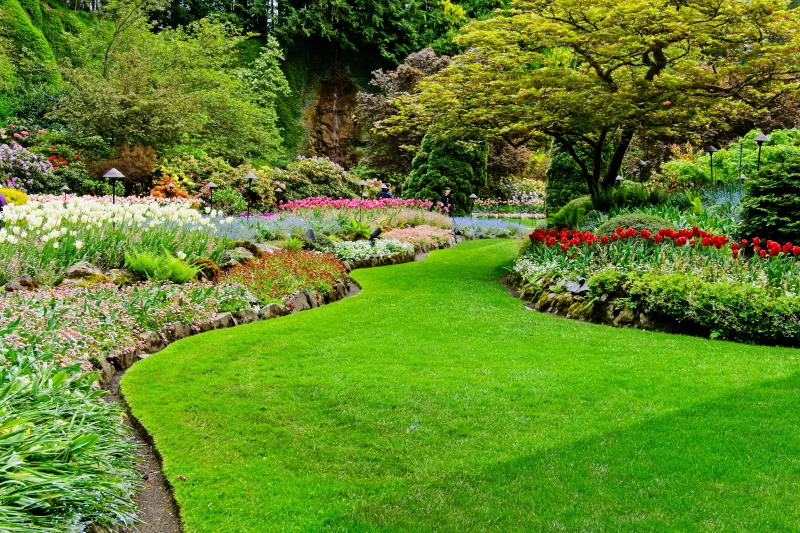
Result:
[{"x": 330, "y": 122}]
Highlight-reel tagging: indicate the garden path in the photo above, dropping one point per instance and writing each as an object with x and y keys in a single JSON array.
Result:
[{"x": 433, "y": 401}]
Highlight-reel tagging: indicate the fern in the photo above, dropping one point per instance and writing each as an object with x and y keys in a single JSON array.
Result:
[{"x": 164, "y": 267}]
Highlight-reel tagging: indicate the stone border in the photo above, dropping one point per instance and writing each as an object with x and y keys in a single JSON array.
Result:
[
  {"x": 151, "y": 342},
  {"x": 609, "y": 309}
]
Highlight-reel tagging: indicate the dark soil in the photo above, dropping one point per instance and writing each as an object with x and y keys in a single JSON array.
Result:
[{"x": 158, "y": 511}]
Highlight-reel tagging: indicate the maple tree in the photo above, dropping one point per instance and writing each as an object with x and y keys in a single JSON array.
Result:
[{"x": 593, "y": 74}]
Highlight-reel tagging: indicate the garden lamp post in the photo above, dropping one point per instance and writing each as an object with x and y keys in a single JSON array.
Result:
[
  {"x": 760, "y": 139},
  {"x": 64, "y": 189},
  {"x": 311, "y": 236},
  {"x": 278, "y": 191},
  {"x": 710, "y": 149},
  {"x": 472, "y": 197},
  {"x": 250, "y": 177},
  {"x": 114, "y": 175},
  {"x": 171, "y": 190},
  {"x": 362, "y": 184},
  {"x": 211, "y": 186},
  {"x": 742, "y": 178},
  {"x": 741, "y": 144},
  {"x": 619, "y": 179},
  {"x": 374, "y": 235}
]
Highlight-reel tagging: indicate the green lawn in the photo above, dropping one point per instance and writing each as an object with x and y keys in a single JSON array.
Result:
[{"x": 435, "y": 402}]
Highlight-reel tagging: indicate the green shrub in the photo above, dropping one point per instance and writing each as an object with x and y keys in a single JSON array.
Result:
[
  {"x": 635, "y": 221},
  {"x": 564, "y": 179},
  {"x": 573, "y": 214},
  {"x": 628, "y": 195},
  {"x": 447, "y": 164},
  {"x": 739, "y": 312},
  {"x": 771, "y": 208},
  {"x": 164, "y": 267}
]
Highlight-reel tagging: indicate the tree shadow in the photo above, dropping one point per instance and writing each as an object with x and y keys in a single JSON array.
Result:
[{"x": 732, "y": 464}]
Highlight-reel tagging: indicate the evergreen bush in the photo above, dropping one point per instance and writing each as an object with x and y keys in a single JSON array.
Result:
[
  {"x": 771, "y": 208},
  {"x": 447, "y": 164}
]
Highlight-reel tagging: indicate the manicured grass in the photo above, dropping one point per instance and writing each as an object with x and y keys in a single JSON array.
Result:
[{"x": 434, "y": 402}]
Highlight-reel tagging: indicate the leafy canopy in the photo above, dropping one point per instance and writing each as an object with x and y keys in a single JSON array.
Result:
[{"x": 595, "y": 73}]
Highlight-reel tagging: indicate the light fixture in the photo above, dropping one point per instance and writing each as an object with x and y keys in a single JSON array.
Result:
[
  {"x": 310, "y": 235},
  {"x": 114, "y": 175},
  {"x": 64, "y": 189},
  {"x": 211, "y": 186},
  {"x": 710, "y": 150},
  {"x": 760, "y": 139}
]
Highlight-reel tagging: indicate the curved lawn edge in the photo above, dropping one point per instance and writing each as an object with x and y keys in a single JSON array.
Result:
[{"x": 300, "y": 407}]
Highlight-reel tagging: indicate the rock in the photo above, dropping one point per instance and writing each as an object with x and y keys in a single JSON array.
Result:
[
  {"x": 204, "y": 325},
  {"x": 626, "y": 316},
  {"x": 269, "y": 311},
  {"x": 251, "y": 247},
  {"x": 152, "y": 342},
  {"x": 312, "y": 299},
  {"x": 298, "y": 303},
  {"x": 227, "y": 260},
  {"x": 83, "y": 273},
  {"x": 266, "y": 248},
  {"x": 243, "y": 255},
  {"x": 209, "y": 270},
  {"x": 223, "y": 320},
  {"x": 175, "y": 331},
  {"x": 120, "y": 276},
  {"x": 23, "y": 283},
  {"x": 644, "y": 320},
  {"x": 579, "y": 287},
  {"x": 245, "y": 316}
]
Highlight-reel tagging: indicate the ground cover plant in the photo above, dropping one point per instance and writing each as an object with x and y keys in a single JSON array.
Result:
[
  {"x": 355, "y": 250},
  {"x": 75, "y": 325},
  {"x": 746, "y": 290},
  {"x": 66, "y": 455},
  {"x": 488, "y": 228},
  {"x": 281, "y": 274},
  {"x": 43, "y": 238},
  {"x": 404, "y": 409}
]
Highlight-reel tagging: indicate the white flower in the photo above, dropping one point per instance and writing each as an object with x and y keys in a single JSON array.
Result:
[
  {"x": 79, "y": 244},
  {"x": 56, "y": 244},
  {"x": 181, "y": 255}
]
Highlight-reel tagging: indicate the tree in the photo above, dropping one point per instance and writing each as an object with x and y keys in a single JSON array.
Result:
[
  {"x": 594, "y": 74},
  {"x": 174, "y": 87},
  {"x": 447, "y": 164}
]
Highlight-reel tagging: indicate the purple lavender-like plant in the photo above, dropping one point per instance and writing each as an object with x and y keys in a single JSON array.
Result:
[{"x": 20, "y": 168}]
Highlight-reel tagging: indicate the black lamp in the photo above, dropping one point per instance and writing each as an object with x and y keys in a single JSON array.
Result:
[
  {"x": 710, "y": 149},
  {"x": 64, "y": 189},
  {"x": 375, "y": 234},
  {"x": 211, "y": 186},
  {"x": 362, "y": 184},
  {"x": 114, "y": 175},
  {"x": 250, "y": 177},
  {"x": 310, "y": 235},
  {"x": 760, "y": 139}
]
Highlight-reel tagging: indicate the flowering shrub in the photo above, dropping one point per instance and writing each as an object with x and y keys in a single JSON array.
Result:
[
  {"x": 44, "y": 238},
  {"x": 419, "y": 234},
  {"x": 354, "y": 250},
  {"x": 276, "y": 276},
  {"x": 21, "y": 169},
  {"x": 74, "y": 325},
  {"x": 384, "y": 212}
]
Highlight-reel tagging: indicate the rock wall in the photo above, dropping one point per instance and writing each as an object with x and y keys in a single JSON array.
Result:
[
  {"x": 609, "y": 309},
  {"x": 331, "y": 123}
]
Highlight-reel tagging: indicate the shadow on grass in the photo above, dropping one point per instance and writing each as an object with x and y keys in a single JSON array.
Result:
[{"x": 732, "y": 464}]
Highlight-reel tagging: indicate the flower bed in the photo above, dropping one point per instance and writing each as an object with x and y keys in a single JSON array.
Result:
[
  {"x": 483, "y": 228},
  {"x": 342, "y": 204},
  {"x": 745, "y": 291},
  {"x": 419, "y": 234},
  {"x": 355, "y": 250},
  {"x": 75, "y": 325},
  {"x": 276, "y": 276},
  {"x": 47, "y": 237}
]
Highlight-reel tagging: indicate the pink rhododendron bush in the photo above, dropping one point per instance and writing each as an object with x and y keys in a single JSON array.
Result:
[
  {"x": 69, "y": 325},
  {"x": 419, "y": 234}
]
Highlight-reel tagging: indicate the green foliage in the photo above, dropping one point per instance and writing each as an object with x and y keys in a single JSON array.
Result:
[
  {"x": 164, "y": 267},
  {"x": 67, "y": 460},
  {"x": 731, "y": 311},
  {"x": 355, "y": 230},
  {"x": 22, "y": 33},
  {"x": 573, "y": 214},
  {"x": 565, "y": 181},
  {"x": 771, "y": 208},
  {"x": 441, "y": 164},
  {"x": 628, "y": 196},
  {"x": 293, "y": 244},
  {"x": 606, "y": 281},
  {"x": 635, "y": 221},
  {"x": 172, "y": 87},
  {"x": 582, "y": 76}
]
